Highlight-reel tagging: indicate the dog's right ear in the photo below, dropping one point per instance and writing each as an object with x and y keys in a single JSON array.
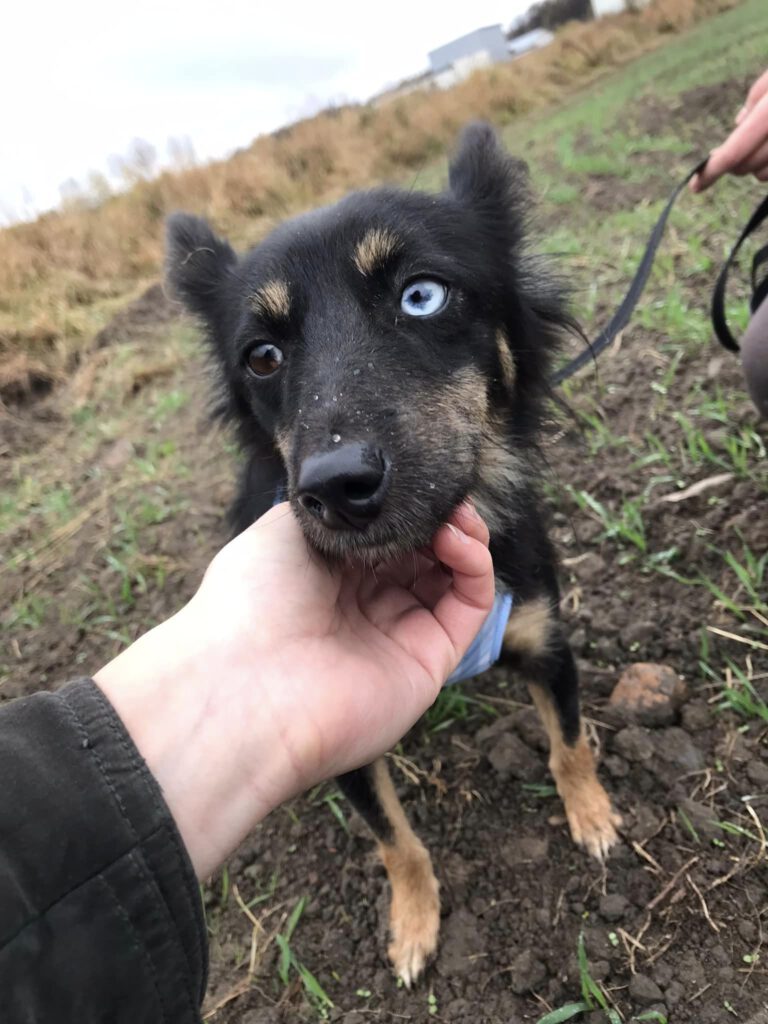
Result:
[{"x": 197, "y": 264}]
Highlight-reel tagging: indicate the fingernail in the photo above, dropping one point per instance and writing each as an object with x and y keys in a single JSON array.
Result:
[
  {"x": 741, "y": 114},
  {"x": 458, "y": 533},
  {"x": 470, "y": 507}
]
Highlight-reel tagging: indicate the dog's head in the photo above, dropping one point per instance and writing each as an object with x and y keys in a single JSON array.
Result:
[{"x": 393, "y": 348}]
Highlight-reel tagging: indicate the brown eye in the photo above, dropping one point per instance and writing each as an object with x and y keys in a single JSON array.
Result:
[{"x": 264, "y": 360}]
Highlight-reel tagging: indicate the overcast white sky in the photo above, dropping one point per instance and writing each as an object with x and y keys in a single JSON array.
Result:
[{"x": 79, "y": 80}]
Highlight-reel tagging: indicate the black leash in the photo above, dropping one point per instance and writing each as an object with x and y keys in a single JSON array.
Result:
[
  {"x": 621, "y": 317},
  {"x": 759, "y": 288}
]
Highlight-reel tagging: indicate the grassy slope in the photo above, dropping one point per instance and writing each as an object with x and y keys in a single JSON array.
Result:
[
  {"x": 604, "y": 163},
  {"x": 62, "y": 277}
]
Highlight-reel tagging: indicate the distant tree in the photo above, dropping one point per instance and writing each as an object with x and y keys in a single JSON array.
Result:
[
  {"x": 550, "y": 14},
  {"x": 98, "y": 187},
  {"x": 181, "y": 152},
  {"x": 72, "y": 194},
  {"x": 78, "y": 196},
  {"x": 139, "y": 163}
]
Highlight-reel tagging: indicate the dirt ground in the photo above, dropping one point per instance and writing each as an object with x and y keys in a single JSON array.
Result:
[{"x": 674, "y": 924}]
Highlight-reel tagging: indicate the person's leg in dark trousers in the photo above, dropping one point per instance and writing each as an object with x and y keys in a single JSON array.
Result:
[{"x": 754, "y": 357}]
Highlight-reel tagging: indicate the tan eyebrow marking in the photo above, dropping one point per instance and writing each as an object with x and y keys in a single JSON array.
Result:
[
  {"x": 374, "y": 248},
  {"x": 272, "y": 299}
]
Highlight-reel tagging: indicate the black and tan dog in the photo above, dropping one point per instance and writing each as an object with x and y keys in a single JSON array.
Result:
[{"x": 382, "y": 359}]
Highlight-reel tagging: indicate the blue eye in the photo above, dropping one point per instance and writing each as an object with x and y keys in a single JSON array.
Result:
[{"x": 423, "y": 297}]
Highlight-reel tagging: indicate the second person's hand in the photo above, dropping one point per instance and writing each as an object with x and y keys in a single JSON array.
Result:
[{"x": 745, "y": 151}]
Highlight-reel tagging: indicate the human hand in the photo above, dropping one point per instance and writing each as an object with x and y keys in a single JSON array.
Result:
[
  {"x": 282, "y": 671},
  {"x": 745, "y": 151}
]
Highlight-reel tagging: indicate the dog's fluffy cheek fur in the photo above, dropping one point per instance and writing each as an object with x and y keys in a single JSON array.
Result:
[{"x": 442, "y": 433}]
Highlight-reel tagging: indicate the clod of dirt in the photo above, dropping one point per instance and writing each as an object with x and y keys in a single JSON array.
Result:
[
  {"x": 497, "y": 728},
  {"x": 118, "y": 454},
  {"x": 757, "y": 772},
  {"x": 677, "y": 748},
  {"x": 696, "y": 715},
  {"x": 530, "y": 728},
  {"x": 734, "y": 748},
  {"x": 644, "y": 990},
  {"x": 458, "y": 1009},
  {"x": 262, "y": 1016},
  {"x": 527, "y": 973},
  {"x": 616, "y": 766},
  {"x": 662, "y": 974},
  {"x": 646, "y": 823},
  {"x": 634, "y": 744},
  {"x": 613, "y": 906},
  {"x": 590, "y": 567},
  {"x": 462, "y": 939},
  {"x": 639, "y": 633},
  {"x": 647, "y": 694},
  {"x": 600, "y": 970},
  {"x": 527, "y": 850},
  {"x": 607, "y": 650},
  {"x": 595, "y": 1017},
  {"x": 511, "y": 758},
  {"x": 701, "y": 818},
  {"x": 674, "y": 993}
]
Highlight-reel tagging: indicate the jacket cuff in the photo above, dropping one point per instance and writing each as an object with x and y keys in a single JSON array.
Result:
[
  {"x": 103, "y": 891},
  {"x": 138, "y": 800}
]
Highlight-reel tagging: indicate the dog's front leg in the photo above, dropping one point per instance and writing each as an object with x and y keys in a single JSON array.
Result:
[
  {"x": 414, "y": 917},
  {"x": 534, "y": 644}
]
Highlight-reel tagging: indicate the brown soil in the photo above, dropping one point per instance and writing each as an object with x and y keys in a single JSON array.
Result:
[
  {"x": 145, "y": 314},
  {"x": 676, "y": 920}
]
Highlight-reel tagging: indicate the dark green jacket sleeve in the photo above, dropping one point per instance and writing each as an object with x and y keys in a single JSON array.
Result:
[{"x": 100, "y": 913}]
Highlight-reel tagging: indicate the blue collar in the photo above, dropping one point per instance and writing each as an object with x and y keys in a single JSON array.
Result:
[{"x": 485, "y": 649}]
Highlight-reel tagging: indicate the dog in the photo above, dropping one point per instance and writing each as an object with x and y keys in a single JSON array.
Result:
[{"x": 382, "y": 359}]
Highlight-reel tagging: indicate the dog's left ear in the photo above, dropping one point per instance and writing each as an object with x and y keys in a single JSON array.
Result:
[{"x": 484, "y": 176}]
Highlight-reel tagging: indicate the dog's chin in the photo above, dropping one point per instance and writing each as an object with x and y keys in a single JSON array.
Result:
[{"x": 371, "y": 546}]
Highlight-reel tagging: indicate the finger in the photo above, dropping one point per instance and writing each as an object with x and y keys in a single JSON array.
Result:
[
  {"x": 438, "y": 639},
  {"x": 467, "y": 518},
  {"x": 754, "y": 162},
  {"x": 739, "y": 145},
  {"x": 402, "y": 571},
  {"x": 430, "y": 587},
  {"x": 466, "y": 604},
  {"x": 422, "y": 573},
  {"x": 386, "y": 600},
  {"x": 756, "y": 93}
]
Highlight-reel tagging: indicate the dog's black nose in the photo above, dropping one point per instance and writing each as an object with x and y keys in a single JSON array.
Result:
[{"x": 345, "y": 486}]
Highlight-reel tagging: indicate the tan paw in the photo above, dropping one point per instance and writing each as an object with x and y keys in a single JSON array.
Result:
[
  {"x": 414, "y": 938},
  {"x": 414, "y": 914},
  {"x": 592, "y": 819}
]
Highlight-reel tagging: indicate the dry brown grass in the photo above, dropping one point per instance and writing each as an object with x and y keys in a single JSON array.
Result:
[{"x": 63, "y": 274}]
